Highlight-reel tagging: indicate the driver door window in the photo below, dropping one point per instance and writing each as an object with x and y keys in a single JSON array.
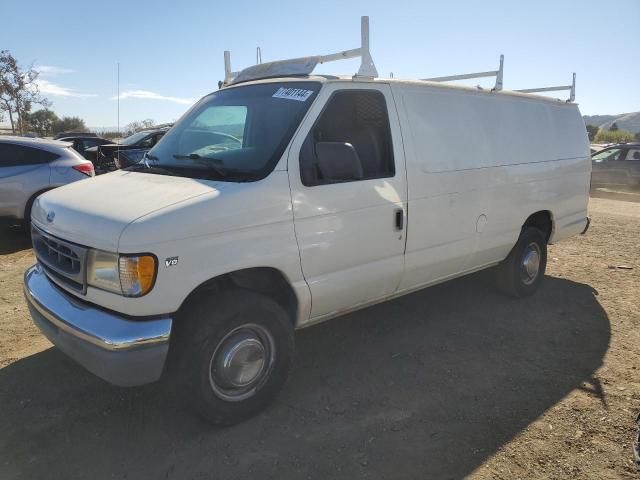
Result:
[
  {"x": 359, "y": 121},
  {"x": 607, "y": 155}
]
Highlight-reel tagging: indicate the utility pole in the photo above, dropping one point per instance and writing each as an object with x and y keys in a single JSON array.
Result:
[{"x": 118, "y": 65}]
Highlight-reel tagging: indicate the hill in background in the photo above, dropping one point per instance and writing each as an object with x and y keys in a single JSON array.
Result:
[{"x": 625, "y": 121}]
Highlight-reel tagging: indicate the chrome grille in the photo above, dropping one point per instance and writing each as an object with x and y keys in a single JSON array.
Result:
[
  {"x": 64, "y": 262},
  {"x": 66, "y": 259}
]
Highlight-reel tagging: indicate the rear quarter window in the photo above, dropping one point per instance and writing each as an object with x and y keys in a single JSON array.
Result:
[{"x": 15, "y": 155}]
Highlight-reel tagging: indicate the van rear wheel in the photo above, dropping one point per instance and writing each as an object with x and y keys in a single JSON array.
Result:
[
  {"x": 234, "y": 354},
  {"x": 520, "y": 274}
]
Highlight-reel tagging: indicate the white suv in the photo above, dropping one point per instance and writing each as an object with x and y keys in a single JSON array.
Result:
[
  {"x": 31, "y": 166},
  {"x": 278, "y": 203}
]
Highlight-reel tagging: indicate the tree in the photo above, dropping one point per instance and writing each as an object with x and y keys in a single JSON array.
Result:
[
  {"x": 8, "y": 66},
  {"x": 636, "y": 137},
  {"x": 42, "y": 121},
  {"x": 18, "y": 90},
  {"x": 615, "y": 136},
  {"x": 136, "y": 126},
  {"x": 66, "y": 124},
  {"x": 614, "y": 127},
  {"x": 592, "y": 131}
]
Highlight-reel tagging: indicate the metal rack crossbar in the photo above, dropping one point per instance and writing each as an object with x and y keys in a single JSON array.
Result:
[
  {"x": 465, "y": 76},
  {"x": 571, "y": 88},
  {"x": 305, "y": 65}
]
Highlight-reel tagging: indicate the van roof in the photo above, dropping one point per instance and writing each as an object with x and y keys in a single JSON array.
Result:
[{"x": 418, "y": 83}]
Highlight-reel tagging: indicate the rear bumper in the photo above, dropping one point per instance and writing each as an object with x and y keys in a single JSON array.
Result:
[{"x": 123, "y": 352}]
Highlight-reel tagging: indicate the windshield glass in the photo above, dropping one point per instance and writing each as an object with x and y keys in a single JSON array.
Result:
[
  {"x": 237, "y": 133},
  {"x": 136, "y": 137}
]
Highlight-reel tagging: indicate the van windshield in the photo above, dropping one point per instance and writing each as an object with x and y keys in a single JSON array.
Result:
[{"x": 234, "y": 134}]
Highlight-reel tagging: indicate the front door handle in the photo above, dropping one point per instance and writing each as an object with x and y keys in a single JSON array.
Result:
[{"x": 399, "y": 219}]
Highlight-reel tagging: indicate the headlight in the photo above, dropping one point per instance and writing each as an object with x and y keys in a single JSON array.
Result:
[
  {"x": 128, "y": 275},
  {"x": 102, "y": 271}
]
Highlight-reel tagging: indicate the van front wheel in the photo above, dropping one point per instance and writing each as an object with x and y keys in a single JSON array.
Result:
[
  {"x": 236, "y": 352},
  {"x": 520, "y": 274}
]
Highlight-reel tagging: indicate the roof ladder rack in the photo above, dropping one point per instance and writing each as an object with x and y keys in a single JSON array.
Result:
[
  {"x": 305, "y": 65},
  {"x": 493, "y": 73},
  {"x": 228, "y": 73},
  {"x": 571, "y": 88}
]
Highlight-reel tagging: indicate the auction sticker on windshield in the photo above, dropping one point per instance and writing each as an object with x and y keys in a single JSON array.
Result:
[{"x": 298, "y": 94}]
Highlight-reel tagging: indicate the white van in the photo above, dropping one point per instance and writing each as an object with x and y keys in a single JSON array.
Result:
[{"x": 276, "y": 203}]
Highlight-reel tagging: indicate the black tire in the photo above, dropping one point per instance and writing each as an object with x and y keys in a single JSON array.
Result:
[
  {"x": 512, "y": 276},
  {"x": 209, "y": 320},
  {"x": 26, "y": 220}
]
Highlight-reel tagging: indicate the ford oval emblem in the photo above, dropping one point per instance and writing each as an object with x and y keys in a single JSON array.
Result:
[{"x": 50, "y": 216}]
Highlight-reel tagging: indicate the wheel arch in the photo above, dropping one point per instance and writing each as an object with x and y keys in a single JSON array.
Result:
[
  {"x": 27, "y": 207},
  {"x": 542, "y": 220},
  {"x": 266, "y": 280}
]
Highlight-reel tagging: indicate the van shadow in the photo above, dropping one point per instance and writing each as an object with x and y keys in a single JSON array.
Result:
[
  {"x": 425, "y": 386},
  {"x": 13, "y": 238}
]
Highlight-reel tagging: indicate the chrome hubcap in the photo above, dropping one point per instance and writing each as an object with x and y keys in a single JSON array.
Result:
[
  {"x": 530, "y": 264},
  {"x": 241, "y": 362}
]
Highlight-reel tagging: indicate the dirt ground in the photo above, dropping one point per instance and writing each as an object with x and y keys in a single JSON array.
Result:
[{"x": 453, "y": 381}]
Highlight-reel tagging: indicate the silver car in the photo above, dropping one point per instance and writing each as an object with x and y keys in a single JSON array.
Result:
[
  {"x": 31, "y": 166},
  {"x": 617, "y": 167}
]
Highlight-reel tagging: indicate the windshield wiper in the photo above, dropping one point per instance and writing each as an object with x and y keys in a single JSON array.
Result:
[
  {"x": 191, "y": 156},
  {"x": 141, "y": 167},
  {"x": 204, "y": 161}
]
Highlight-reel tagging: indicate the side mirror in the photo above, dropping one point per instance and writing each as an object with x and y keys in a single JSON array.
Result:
[{"x": 338, "y": 162}]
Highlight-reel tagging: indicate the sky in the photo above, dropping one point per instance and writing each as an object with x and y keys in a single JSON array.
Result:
[{"x": 171, "y": 52}]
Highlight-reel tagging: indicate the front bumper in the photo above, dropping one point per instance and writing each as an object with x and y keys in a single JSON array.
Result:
[{"x": 123, "y": 352}]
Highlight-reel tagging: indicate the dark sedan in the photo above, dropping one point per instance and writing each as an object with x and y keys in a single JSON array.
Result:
[
  {"x": 82, "y": 143},
  {"x": 112, "y": 156}
]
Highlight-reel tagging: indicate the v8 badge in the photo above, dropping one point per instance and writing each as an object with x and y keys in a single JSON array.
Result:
[{"x": 171, "y": 261}]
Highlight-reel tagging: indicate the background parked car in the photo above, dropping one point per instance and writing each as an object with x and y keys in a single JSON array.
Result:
[
  {"x": 109, "y": 157},
  {"x": 80, "y": 144},
  {"x": 31, "y": 166},
  {"x": 73, "y": 134},
  {"x": 617, "y": 166}
]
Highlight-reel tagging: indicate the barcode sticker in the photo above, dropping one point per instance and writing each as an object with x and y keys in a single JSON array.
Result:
[{"x": 298, "y": 94}]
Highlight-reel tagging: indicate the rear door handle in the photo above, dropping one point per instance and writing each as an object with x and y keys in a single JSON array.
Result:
[{"x": 399, "y": 218}]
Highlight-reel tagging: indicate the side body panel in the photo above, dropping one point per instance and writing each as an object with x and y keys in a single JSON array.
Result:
[
  {"x": 17, "y": 184},
  {"x": 478, "y": 164}
]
